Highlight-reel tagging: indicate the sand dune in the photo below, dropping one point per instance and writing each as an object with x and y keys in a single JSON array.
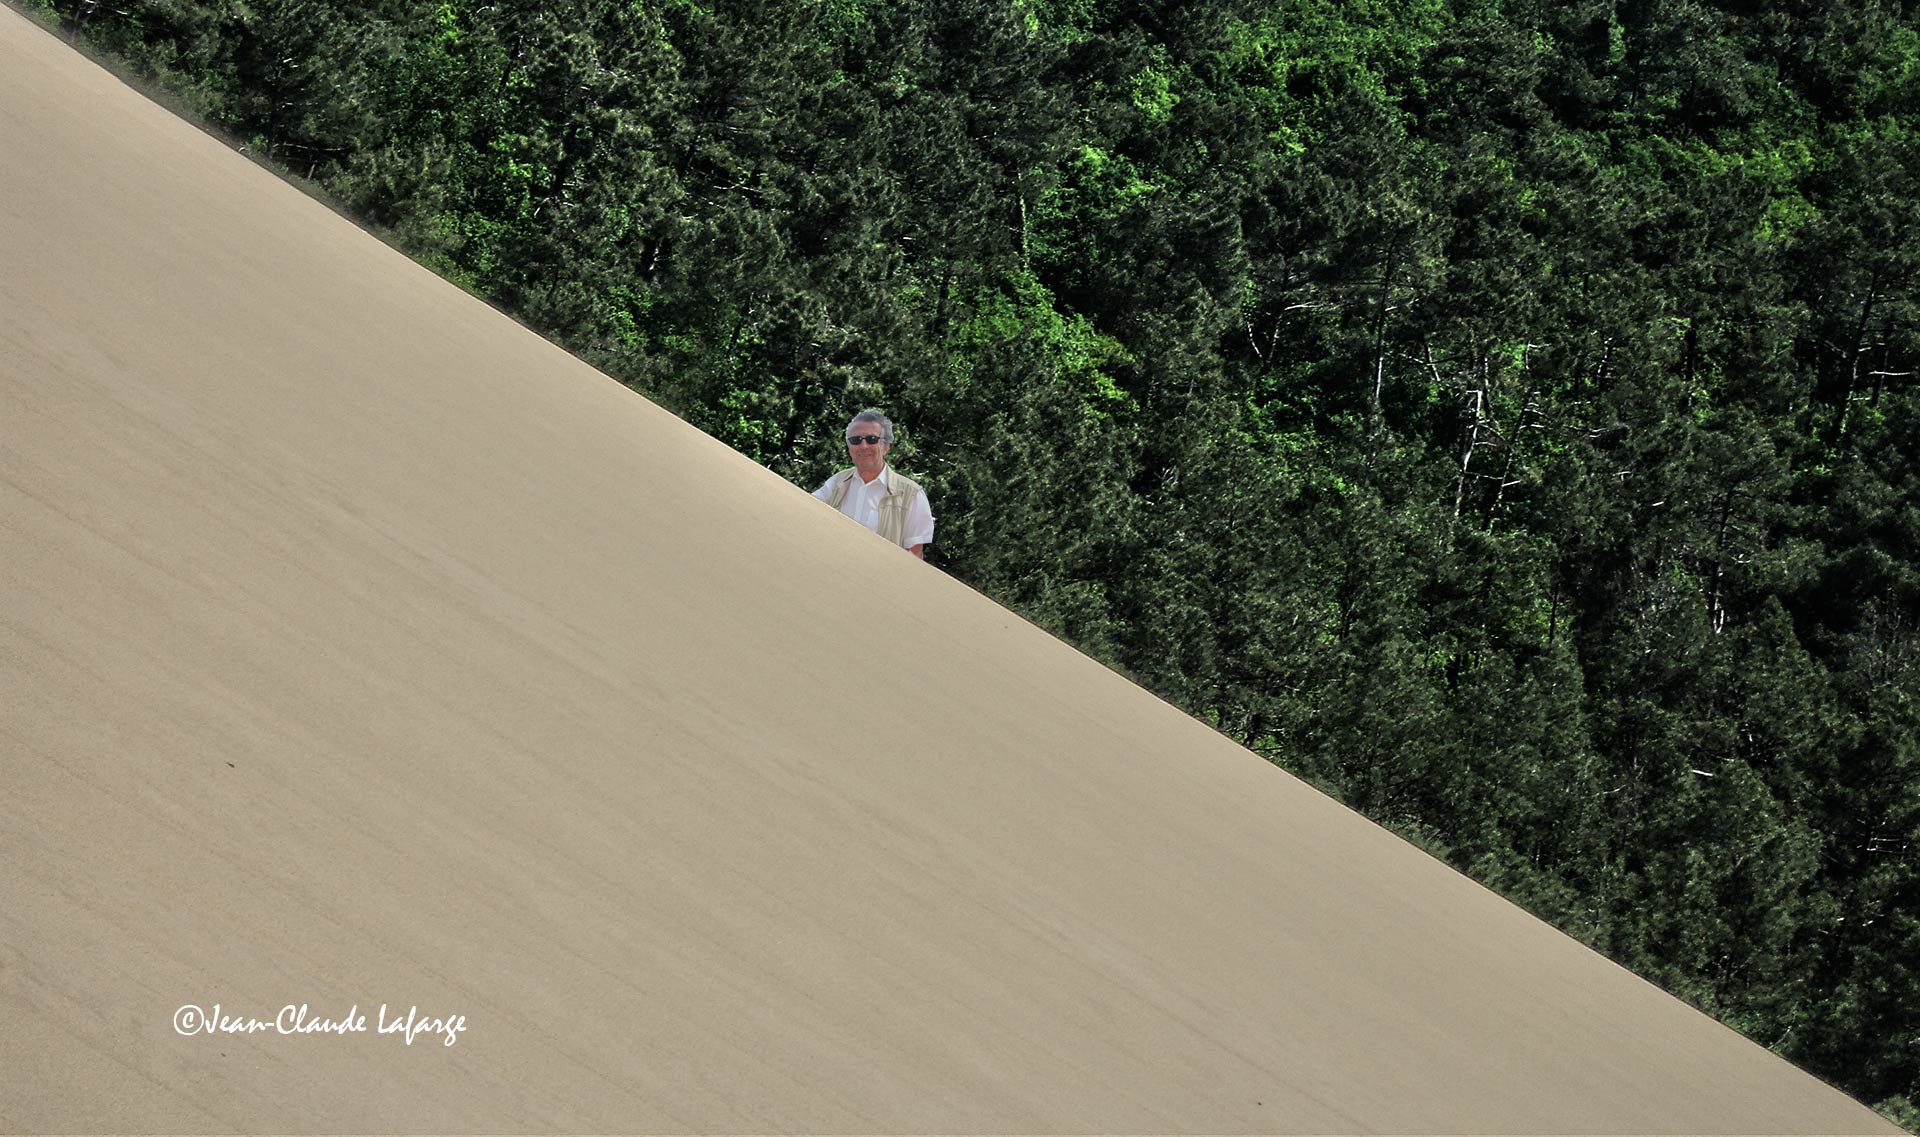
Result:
[{"x": 361, "y": 650}]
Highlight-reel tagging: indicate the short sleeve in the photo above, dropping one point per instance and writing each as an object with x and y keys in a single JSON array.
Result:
[{"x": 918, "y": 529}]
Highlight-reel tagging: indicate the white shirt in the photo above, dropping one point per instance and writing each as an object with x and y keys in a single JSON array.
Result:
[{"x": 862, "y": 503}]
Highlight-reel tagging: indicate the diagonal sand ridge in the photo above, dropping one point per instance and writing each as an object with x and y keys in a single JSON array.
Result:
[{"x": 358, "y": 647}]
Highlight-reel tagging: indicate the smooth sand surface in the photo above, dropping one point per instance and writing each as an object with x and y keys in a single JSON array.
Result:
[{"x": 359, "y": 648}]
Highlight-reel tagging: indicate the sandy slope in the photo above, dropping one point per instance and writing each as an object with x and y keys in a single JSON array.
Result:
[{"x": 358, "y": 647}]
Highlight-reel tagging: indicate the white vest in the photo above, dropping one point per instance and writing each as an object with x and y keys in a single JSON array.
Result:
[{"x": 901, "y": 490}]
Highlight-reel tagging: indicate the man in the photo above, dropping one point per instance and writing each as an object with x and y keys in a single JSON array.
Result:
[{"x": 874, "y": 493}]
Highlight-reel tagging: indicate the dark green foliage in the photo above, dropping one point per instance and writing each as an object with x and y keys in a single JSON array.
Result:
[{"x": 1500, "y": 413}]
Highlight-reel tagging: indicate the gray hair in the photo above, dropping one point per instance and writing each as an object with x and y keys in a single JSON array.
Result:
[{"x": 886, "y": 427}]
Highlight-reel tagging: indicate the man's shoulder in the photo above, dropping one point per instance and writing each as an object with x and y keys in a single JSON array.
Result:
[{"x": 898, "y": 482}]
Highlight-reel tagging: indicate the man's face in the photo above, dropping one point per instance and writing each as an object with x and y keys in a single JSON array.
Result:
[{"x": 867, "y": 456}]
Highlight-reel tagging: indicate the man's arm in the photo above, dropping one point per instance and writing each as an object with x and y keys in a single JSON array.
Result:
[{"x": 918, "y": 526}]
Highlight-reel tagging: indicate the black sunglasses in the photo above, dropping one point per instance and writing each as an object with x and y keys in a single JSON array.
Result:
[{"x": 869, "y": 439}]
